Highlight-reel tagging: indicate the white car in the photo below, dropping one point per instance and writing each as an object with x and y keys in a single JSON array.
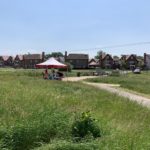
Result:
[{"x": 137, "y": 71}]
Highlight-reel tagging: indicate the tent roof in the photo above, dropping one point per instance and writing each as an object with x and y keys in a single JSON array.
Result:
[{"x": 51, "y": 63}]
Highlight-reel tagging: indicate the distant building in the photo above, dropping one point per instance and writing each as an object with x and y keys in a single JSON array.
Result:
[
  {"x": 78, "y": 61},
  {"x": 106, "y": 61},
  {"x": 93, "y": 63},
  {"x": 30, "y": 60},
  {"x": 147, "y": 60},
  {"x": 130, "y": 61},
  {"x": 6, "y": 61},
  {"x": 18, "y": 61},
  {"x": 1, "y": 61},
  {"x": 116, "y": 62}
]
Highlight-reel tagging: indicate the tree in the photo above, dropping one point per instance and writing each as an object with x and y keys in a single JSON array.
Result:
[
  {"x": 54, "y": 54},
  {"x": 99, "y": 53}
]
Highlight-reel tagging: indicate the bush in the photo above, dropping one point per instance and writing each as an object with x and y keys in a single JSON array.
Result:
[
  {"x": 69, "y": 69},
  {"x": 78, "y": 74},
  {"x": 28, "y": 135},
  {"x": 84, "y": 126}
]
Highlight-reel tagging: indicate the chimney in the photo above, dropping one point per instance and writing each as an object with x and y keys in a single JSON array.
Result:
[
  {"x": 145, "y": 58},
  {"x": 43, "y": 56},
  {"x": 65, "y": 56}
]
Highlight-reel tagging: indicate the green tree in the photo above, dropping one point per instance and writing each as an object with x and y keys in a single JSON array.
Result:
[
  {"x": 54, "y": 54},
  {"x": 99, "y": 53}
]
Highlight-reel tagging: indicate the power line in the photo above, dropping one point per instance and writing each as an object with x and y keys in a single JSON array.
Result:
[{"x": 114, "y": 46}]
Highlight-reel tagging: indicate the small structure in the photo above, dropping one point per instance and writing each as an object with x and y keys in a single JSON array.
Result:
[
  {"x": 147, "y": 60},
  {"x": 78, "y": 61},
  {"x": 51, "y": 63}
]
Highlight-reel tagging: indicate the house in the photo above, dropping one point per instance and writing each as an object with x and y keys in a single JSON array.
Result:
[
  {"x": 18, "y": 61},
  {"x": 30, "y": 60},
  {"x": 129, "y": 61},
  {"x": 1, "y": 61},
  {"x": 106, "y": 61},
  {"x": 78, "y": 61},
  {"x": 6, "y": 61},
  {"x": 147, "y": 60},
  {"x": 93, "y": 63},
  {"x": 116, "y": 62}
]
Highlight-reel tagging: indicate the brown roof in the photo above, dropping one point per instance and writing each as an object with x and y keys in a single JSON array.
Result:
[
  {"x": 104, "y": 55},
  {"x": 5, "y": 58},
  {"x": 33, "y": 56},
  {"x": 19, "y": 56},
  {"x": 126, "y": 57},
  {"x": 93, "y": 64},
  {"x": 78, "y": 56}
]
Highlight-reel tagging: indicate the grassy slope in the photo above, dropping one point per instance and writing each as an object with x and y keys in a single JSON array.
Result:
[
  {"x": 136, "y": 82},
  {"x": 24, "y": 99}
]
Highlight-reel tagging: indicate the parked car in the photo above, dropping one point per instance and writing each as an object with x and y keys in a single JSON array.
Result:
[{"x": 137, "y": 71}]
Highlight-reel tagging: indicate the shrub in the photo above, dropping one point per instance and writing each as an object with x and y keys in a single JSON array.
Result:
[
  {"x": 69, "y": 69},
  {"x": 84, "y": 126},
  {"x": 47, "y": 126},
  {"x": 78, "y": 74}
]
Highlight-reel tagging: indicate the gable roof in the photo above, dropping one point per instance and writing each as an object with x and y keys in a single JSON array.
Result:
[
  {"x": 126, "y": 57},
  {"x": 5, "y": 58},
  {"x": 104, "y": 56},
  {"x": 19, "y": 56},
  {"x": 78, "y": 56}
]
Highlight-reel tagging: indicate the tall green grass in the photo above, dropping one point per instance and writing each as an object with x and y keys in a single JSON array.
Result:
[{"x": 38, "y": 114}]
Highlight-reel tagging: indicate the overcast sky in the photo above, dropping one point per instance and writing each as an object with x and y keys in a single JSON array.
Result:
[{"x": 78, "y": 26}]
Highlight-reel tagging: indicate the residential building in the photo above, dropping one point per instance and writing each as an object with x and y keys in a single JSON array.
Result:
[
  {"x": 78, "y": 61},
  {"x": 30, "y": 60},
  {"x": 147, "y": 60},
  {"x": 93, "y": 63},
  {"x": 18, "y": 61},
  {"x": 106, "y": 61},
  {"x": 6, "y": 61},
  {"x": 130, "y": 61},
  {"x": 116, "y": 62}
]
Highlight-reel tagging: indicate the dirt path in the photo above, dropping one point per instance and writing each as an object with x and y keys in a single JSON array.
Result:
[
  {"x": 113, "y": 88},
  {"x": 121, "y": 92},
  {"x": 78, "y": 78}
]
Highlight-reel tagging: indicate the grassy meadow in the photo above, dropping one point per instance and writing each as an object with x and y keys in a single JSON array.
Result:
[
  {"x": 136, "y": 82},
  {"x": 38, "y": 114}
]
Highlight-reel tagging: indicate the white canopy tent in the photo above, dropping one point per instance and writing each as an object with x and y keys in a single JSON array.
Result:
[{"x": 51, "y": 63}]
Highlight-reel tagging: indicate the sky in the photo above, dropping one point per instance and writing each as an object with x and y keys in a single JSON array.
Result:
[{"x": 76, "y": 26}]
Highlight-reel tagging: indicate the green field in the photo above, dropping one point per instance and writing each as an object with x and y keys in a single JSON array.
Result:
[
  {"x": 136, "y": 82},
  {"x": 38, "y": 114}
]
